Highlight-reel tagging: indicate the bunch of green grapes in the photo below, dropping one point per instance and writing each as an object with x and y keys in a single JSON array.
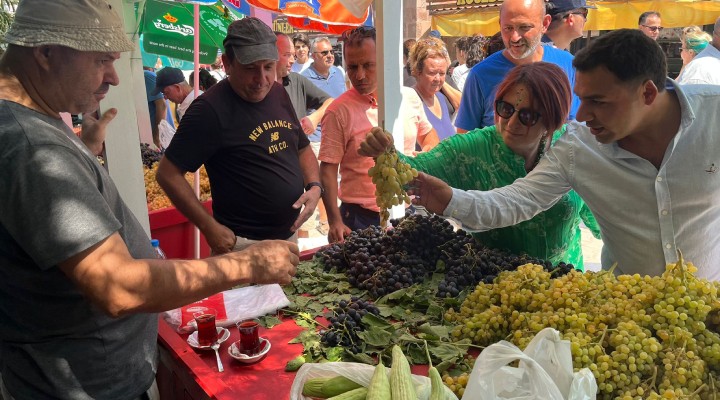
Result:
[
  {"x": 390, "y": 174},
  {"x": 641, "y": 336}
]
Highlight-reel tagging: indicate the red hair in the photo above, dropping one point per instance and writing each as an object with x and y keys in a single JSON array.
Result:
[{"x": 549, "y": 87}]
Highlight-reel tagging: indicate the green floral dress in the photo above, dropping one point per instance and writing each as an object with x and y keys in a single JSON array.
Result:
[{"x": 480, "y": 160}]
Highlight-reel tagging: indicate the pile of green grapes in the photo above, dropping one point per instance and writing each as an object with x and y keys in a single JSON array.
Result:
[
  {"x": 390, "y": 174},
  {"x": 642, "y": 337}
]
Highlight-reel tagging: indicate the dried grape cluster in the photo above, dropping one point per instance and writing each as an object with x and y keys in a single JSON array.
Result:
[
  {"x": 642, "y": 337},
  {"x": 346, "y": 322},
  {"x": 156, "y": 197},
  {"x": 383, "y": 262}
]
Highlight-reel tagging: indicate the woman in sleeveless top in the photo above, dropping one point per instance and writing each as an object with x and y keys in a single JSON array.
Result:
[{"x": 429, "y": 61}]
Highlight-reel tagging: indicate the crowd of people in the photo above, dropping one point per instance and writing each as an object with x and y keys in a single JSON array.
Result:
[{"x": 518, "y": 140}]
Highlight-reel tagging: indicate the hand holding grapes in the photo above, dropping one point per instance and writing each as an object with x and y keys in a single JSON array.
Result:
[
  {"x": 430, "y": 192},
  {"x": 375, "y": 143},
  {"x": 389, "y": 174}
]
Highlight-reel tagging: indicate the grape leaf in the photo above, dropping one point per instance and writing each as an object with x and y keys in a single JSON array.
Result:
[
  {"x": 268, "y": 321},
  {"x": 434, "y": 332},
  {"x": 376, "y": 337}
]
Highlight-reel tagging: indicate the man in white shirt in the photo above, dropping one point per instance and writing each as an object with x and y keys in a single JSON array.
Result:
[
  {"x": 646, "y": 162},
  {"x": 302, "y": 53},
  {"x": 705, "y": 67},
  {"x": 171, "y": 83}
]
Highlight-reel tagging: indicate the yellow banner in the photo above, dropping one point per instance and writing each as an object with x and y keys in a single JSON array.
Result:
[{"x": 608, "y": 15}]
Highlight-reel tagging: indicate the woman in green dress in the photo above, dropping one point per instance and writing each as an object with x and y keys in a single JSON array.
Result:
[{"x": 531, "y": 105}]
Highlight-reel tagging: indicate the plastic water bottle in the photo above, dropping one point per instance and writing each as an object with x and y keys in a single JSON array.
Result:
[{"x": 158, "y": 251}]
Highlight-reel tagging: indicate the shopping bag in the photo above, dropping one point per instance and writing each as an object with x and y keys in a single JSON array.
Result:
[
  {"x": 544, "y": 372},
  {"x": 236, "y": 305},
  {"x": 167, "y": 132},
  {"x": 358, "y": 373}
]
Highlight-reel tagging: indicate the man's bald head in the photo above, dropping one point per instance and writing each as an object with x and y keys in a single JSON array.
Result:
[
  {"x": 528, "y": 7},
  {"x": 522, "y": 24}
]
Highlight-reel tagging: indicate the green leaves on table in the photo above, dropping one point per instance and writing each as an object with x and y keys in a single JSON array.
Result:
[{"x": 409, "y": 317}]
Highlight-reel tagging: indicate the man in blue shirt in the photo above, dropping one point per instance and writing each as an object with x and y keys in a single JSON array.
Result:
[
  {"x": 522, "y": 24},
  {"x": 323, "y": 74}
]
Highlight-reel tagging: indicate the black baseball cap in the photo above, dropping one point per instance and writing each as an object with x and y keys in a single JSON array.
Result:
[{"x": 166, "y": 77}]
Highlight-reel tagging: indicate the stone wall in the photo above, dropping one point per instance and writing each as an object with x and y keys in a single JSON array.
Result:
[{"x": 416, "y": 19}]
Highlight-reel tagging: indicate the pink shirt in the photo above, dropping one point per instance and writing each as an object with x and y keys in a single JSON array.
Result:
[{"x": 344, "y": 126}]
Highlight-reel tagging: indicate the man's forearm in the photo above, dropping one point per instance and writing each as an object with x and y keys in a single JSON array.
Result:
[
  {"x": 309, "y": 165},
  {"x": 316, "y": 116},
  {"x": 172, "y": 181},
  {"x": 328, "y": 179},
  {"x": 119, "y": 284}
]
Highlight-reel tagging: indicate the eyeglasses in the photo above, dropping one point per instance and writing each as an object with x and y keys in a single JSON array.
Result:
[
  {"x": 526, "y": 116},
  {"x": 324, "y": 52},
  {"x": 654, "y": 28},
  {"x": 580, "y": 11}
]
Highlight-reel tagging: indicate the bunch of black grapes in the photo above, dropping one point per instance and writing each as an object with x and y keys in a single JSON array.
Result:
[
  {"x": 382, "y": 262},
  {"x": 422, "y": 236},
  {"x": 358, "y": 247},
  {"x": 149, "y": 156},
  {"x": 466, "y": 263},
  {"x": 346, "y": 322}
]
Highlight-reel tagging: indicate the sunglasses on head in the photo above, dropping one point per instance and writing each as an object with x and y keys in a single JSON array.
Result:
[
  {"x": 526, "y": 116},
  {"x": 324, "y": 52},
  {"x": 654, "y": 28}
]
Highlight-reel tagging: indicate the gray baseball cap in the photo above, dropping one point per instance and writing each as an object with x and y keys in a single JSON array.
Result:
[
  {"x": 84, "y": 25},
  {"x": 251, "y": 40}
]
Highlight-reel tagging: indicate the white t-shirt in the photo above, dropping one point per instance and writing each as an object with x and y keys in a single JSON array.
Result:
[{"x": 703, "y": 69}]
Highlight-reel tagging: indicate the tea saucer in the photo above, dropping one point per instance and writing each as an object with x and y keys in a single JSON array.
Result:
[
  {"x": 223, "y": 335},
  {"x": 235, "y": 353}
]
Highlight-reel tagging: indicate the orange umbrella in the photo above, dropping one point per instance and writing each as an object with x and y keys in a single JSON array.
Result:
[{"x": 329, "y": 16}]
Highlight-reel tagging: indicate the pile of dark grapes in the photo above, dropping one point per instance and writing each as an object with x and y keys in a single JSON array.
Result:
[
  {"x": 149, "y": 156},
  {"x": 346, "y": 322},
  {"x": 382, "y": 262},
  {"x": 467, "y": 263}
]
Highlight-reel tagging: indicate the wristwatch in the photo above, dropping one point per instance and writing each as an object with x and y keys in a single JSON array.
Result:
[{"x": 318, "y": 184}]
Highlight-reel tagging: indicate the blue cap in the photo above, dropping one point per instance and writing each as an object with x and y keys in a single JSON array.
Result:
[
  {"x": 155, "y": 243},
  {"x": 560, "y": 6},
  {"x": 435, "y": 33}
]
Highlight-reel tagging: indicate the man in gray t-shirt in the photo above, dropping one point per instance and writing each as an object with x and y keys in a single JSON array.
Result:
[{"x": 79, "y": 285}]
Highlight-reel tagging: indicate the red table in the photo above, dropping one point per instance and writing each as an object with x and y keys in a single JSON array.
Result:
[
  {"x": 189, "y": 374},
  {"x": 186, "y": 373}
]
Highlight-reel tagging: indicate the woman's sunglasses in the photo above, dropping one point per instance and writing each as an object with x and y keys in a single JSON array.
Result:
[{"x": 526, "y": 116}]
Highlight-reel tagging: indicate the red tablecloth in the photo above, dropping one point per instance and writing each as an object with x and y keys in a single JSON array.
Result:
[
  {"x": 186, "y": 373},
  {"x": 264, "y": 380}
]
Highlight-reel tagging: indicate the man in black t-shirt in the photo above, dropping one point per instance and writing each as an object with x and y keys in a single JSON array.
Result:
[{"x": 261, "y": 168}]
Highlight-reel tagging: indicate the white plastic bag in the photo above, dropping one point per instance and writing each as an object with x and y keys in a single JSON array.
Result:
[
  {"x": 167, "y": 132},
  {"x": 242, "y": 303},
  {"x": 356, "y": 372},
  {"x": 544, "y": 372}
]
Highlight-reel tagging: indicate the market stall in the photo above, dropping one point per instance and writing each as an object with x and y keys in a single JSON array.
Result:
[
  {"x": 443, "y": 298},
  {"x": 468, "y": 17}
]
